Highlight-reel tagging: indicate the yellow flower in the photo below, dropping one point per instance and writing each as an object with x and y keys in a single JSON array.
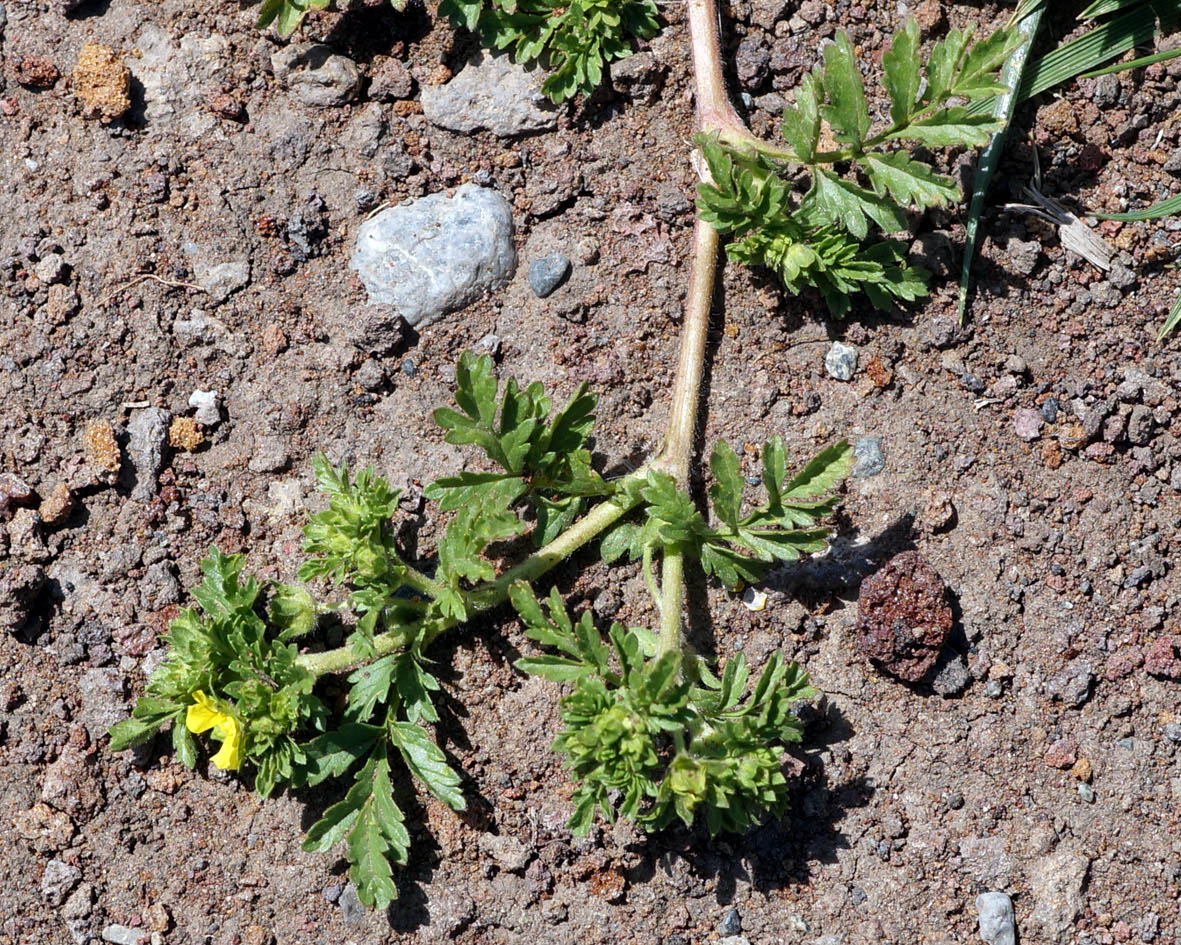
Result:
[{"x": 205, "y": 715}]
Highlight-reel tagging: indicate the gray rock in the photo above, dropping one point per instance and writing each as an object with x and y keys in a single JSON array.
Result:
[
  {"x": 986, "y": 860},
  {"x": 1140, "y": 425},
  {"x": 391, "y": 81},
  {"x": 841, "y": 361},
  {"x": 270, "y": 455},
  {"x": 350, "y": 905},
  {"x": 19, "y": 586},
  {"x": 51, "y": 269},
  {"x": 1073, "y": 684},
  {"x": 58, "y": 881},
  {"x": 221, "y": 280},
  {"x": 125, "y": 935},
  {"x": 319, "y": 77},
  {"x": 147, "y": 433},
  {"x": 640, "y": 77},
  {"x": 1024, "y": 255},
  {"x": 370, "y": 375},
  {"x": 208, "y": 404},
  {"x": 26, "y": 537},
  {"x": 493, "y": 93},
  {"x": 1121, "y": 276},
  {"x": 547, "y": 273},
  {"x": 868, "y": 458},
  {"x": 431, "y": 256},
  {"x": 731, "y": 924},
  {"x": 510, "y": 854},
  {"x": 81, "y": 902},
  {"x": 1173, "y": 732},
  {"x": 1056, "y": 884},
  {"x": 996, "y": 918},
  {"x": 952, "y": 677},
  {"x": 101, "y": 692}
]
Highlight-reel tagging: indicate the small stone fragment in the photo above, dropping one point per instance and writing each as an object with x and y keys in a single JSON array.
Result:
[
  {"x": 731, "y": 923},
  {"x": 1073, "y": 684},
  {"x": 391, "y": 81},
  {"x": 58, "y": 881},
  {"x": 102, "y": 83},
  {"x": 350, "y": 905},
  {"x": 952, "y": 677},
  {"x": 208, "y": 405},
  {"x": 868, "y": 458},
  {"x": 490, "y": 92},
  {"x": 224, "y": 105},
  {"x": 1024, "y": 255},
  {"x": 547, "y": 273},
  {"x": 147, "y": 434},
  {"x": 25, "y": 537},
  {"x": 1027, "y": 423},
  {"x": 102, "y": 452},
  {"x": 904, "y": 617},
  {"x": 51, "y": 268},
  {"x": 19, "y": 586},
  {"x": 434, "y": 255},
  {"x": 13, "y": 492},
  {"x": 996, "y": 918},
  {"x": 48, "y": 830},
  {"x": 509, "y": 853},
  {"x": 57, "y": 506},
  {"x": 319, "y": 77},
  {"x": 1056, "y": 883},
  {"x": 125, "y": 935},
  {"x": 34, "y": 72},
  {"x": 1061, "y": 754},
  {"x": 841, "y": 361},
  {"x": 62, "y": 302},
  {"x": 1082, "y": 769},
  {"x": 1162, "y": 658}
]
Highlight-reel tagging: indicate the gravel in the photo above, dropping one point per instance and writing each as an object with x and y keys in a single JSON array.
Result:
[
  {"x": 490, "y": 93},
  {"x": 997, "y": 926},
  {"x": 868, "y": 458},
  {"x": 319, "y": 77},
  {"x": 841, "y": 361},
  {"x": 437, "y": 254},
  {"x": 952, "y": 677},
  {"x": 147, "y": 434},
  {"x": 547, "y": 273}
]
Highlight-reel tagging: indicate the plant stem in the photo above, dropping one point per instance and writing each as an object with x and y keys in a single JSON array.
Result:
[{"x": 487, "y": 596}]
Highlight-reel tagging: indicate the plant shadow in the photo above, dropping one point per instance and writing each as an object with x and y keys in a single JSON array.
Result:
[{"x": 779, "y": 853}]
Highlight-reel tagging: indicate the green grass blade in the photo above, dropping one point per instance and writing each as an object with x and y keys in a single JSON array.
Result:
[
  {"x": 1162, "y": 209},
  {"x": 1003, "y": 107},
  {"x": 1135, "y": 63},
  {"x": 1103, "y": 7},
  {"x": 1172, "y": 321}
]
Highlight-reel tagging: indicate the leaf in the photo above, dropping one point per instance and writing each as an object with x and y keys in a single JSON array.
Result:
[
  {"x": 943, "y": 64},
  {"x": 901, "y": 76},
  {"x": 554, "y": 668},
  {"x": 293, "y": 611},
  {"x": 330, "y": 755},
  {"x": 726, "y": 493},
  {"x": 801, "y": 121},
  {"x": 468, "y": 534},
  {"x": 911, "y": 183},
  {"x": 847, "y": 111},
  {"x": 454, "y": 492},
  {"x": 950, "y": 127},
  {"x": 1163, "y": 209},
  {"x": 427, "y": 762},
  {"x": 371, "y": 687},
  {"x": 774, "y": 470},
  {"x": 415, "y": 686},
  {"x": 844, "y": 203},
  {"x": 131, "y": 732},
  {"x": 822, "y": 475}
]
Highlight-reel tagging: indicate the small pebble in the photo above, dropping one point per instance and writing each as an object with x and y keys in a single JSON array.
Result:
[
  {"x": 332, "y": 893},
  {"x": 208, "y": 404},
  {"x": 408, "y": 368},
  {"x": 994, "y": 689},
  {"x": 1050, "y": 410},
  {"x": 1173, "y": 732},
  {"x": 350, "y": 906},
  {"x": 971, "y": 383},
  {"x": 1086, "y": 792},
  {"x": 1027, "y": 423},
  {"x": 547, "y": 273},
  {"x": 868, "y": 458},
  {"x": 996, "y": 918},
  {"x": 952, "y": 678},
  {"x": 731, "y": 924},
  {"x": 841, "y": 361}
]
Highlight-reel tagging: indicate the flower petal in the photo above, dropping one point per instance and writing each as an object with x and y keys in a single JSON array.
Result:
[
  {"x": 201, "y": 716},
  {"x": 229, "y": 756}
]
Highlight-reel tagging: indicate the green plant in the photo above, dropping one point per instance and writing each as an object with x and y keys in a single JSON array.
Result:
[
  {"x": 234, "y": 666},
  {"x": 650, "y": 731},
  {"x": 574, "y": 40},
  {"x": 822, "y": 238}
]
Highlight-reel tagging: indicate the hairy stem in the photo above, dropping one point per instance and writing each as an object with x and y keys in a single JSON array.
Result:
[{"x": 489, "y": 595}]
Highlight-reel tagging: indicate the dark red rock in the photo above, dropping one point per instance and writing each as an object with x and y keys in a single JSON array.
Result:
[
  {"x": 905, "y": 617},
  {"x": 1162, "y": 659},
  {"x": 1062, "y": 754}
]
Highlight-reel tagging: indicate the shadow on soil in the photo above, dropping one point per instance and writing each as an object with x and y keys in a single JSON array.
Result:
[{"x": 778, "y": 854}]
